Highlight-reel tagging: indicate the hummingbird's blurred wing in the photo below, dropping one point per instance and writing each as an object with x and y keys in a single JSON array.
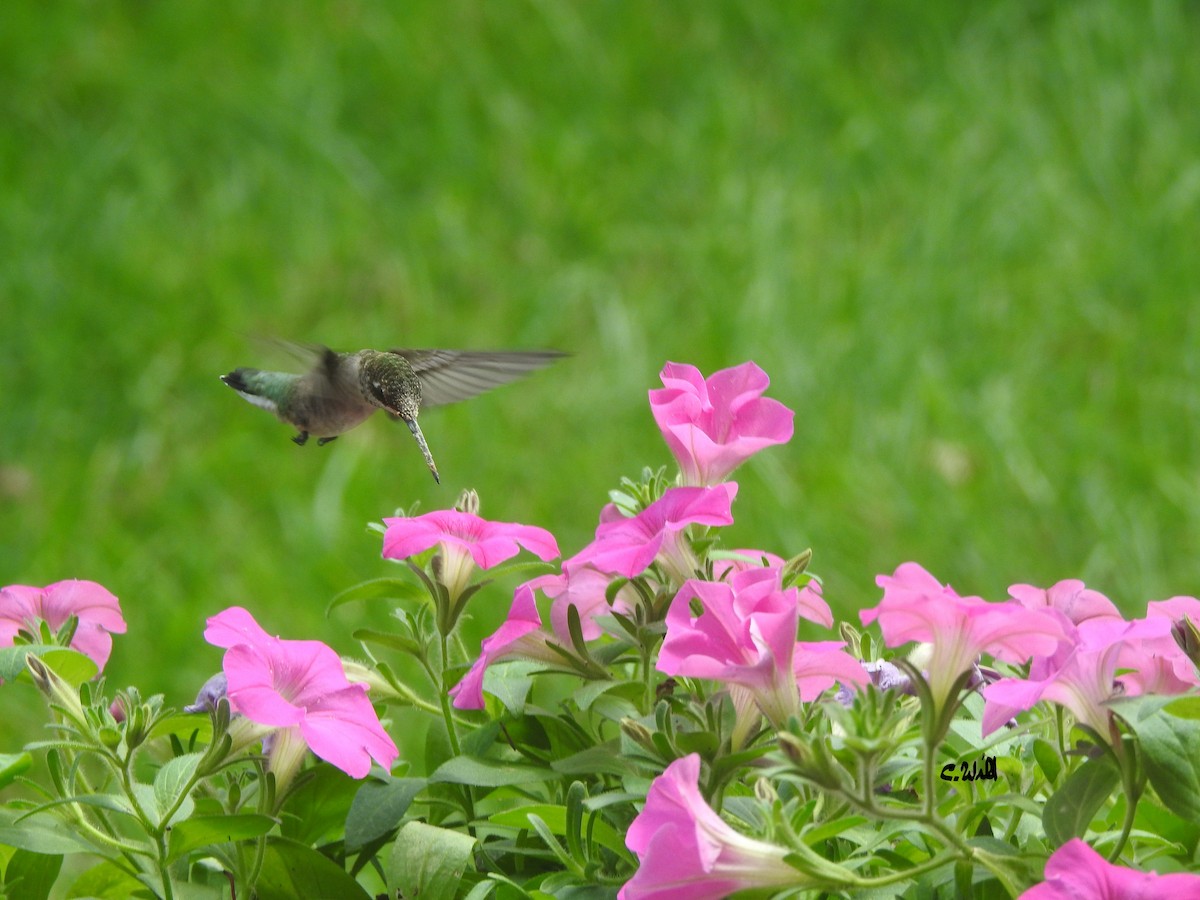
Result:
[
  {"x": 328, "y": 392},
  {"x": 448, "y": 376}
]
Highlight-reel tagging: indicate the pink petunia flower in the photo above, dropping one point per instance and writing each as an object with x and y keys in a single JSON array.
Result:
[
  {"x": 299, "y": 688},
  {"x": 745, "y": 636},
  {"x": 1086, "y": 677},
  {"x": 1071, "y": 603},
  {"x": 687, "y": 852},
  {"x": 627, "y": 546},
  {"x": 1076, "y": 871},
  {"x": 1070, "y": 597},
  {"x": 98, "y": 611},
  {"x": 917, "y": 607},
  {"x": 465, "y": 541},
  {"x": 713, "y": 425}
]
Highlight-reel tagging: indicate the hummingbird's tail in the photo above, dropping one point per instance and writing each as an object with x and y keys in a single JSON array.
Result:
[
  {"x": 416, "y": 431},
  {"x": 260, "y": 388}
]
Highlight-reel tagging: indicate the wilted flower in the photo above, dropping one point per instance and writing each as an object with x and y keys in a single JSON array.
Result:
[
  {"x": 299, "y": 689},
  {"x": 687, "y": 852},
  {"x": 917, "y": 607},
  {"x": 883, "y": 675},
  {"x": 210, "y": 694},
  {"x": 713, "y": 425},
  {"x": 1076, "y": 871},
  {"x": 465, "y": 541},
  {"x": 98, "y": 612},
  {"x": 627, "y": 546}
]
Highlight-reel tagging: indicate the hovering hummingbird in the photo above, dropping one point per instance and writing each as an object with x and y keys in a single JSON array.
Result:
[{"x": 341, "y": 390}]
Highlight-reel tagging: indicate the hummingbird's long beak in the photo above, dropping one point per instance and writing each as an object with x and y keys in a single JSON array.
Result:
[{"x": 416, "y": 431}]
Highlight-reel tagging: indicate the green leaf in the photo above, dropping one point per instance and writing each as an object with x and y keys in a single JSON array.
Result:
[
  {"x": 377, "y": 589},
  {"x": 589, "y": 691},
  {"x": 317, "y": 807},
  {"x": 378, "y": 807},
  {"x": 511, "y": 682},
  {"x": 1171, "y": 755},
  {"x": 1184, "y": 708},
  {"x": 604, "y": 759},
  {"x": 70, "y": 665},
  {"x": 13, "y": 765},
  {"x": 12, "y": 659},
  {"x": 488, "y": 773},
  {"x": 832, "y": 829},
  {"x": 204, "y": 831},
  {"x": 478, "y": 741},
  {"x": 30, "y": 876},
  {"x": 555, "y": 818},
  {"x": 1072, "y": 807},
  {"x": 38, "y": 834},
  {"x": 292, "y": 870},
  {"x": 482, "y": 890},
  {"x": 147, "y": 797},
  {"x": 527, "y": 569},
  {"x": 1047, "y": 759},
  {"x": 1152, "y": 818},
  {"x": 105, "y": 882},
  {"x": 188, "y": 727},
  {"x": 387, "y": 639},
  {"x": 172, "y": 780},
  {"x": 428, "y": 862}
]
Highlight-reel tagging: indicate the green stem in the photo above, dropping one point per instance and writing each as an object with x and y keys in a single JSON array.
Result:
[
  {"x": 452, "y": 732},
  {"x": 444, "y": 698},
  {"x": 647, "y": 681},
  {"x": 1127, "y": 757}
]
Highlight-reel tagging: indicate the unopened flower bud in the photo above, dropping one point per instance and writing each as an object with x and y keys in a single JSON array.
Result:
[
  {"x": 639, "y": 734},
  {"x": 796, "y": 566},
  {"x": 58, "y": 691}
]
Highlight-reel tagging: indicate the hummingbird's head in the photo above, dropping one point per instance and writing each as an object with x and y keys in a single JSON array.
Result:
[{"x": 388, "y": 381}]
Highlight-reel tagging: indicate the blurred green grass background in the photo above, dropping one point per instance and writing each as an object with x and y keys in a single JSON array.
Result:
[{"x": 961, "y": 238}]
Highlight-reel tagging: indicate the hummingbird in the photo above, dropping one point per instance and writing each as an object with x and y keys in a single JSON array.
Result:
[{"x": 342, "y": 390}]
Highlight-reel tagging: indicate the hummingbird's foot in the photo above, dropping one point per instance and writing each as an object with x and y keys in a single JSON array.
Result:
[
  {"x": 321, "y": 442},
  {"x": 301, "y": 439}
]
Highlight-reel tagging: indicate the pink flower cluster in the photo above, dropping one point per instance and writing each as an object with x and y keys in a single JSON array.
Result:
[
  {"x": 1081, "y": 672},
  {"x": 917, "y": 607},
  {"x": 623, "y": 547},
  {"x": 1074, "y": 639},
  {"x": 712, "y": 426}
]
